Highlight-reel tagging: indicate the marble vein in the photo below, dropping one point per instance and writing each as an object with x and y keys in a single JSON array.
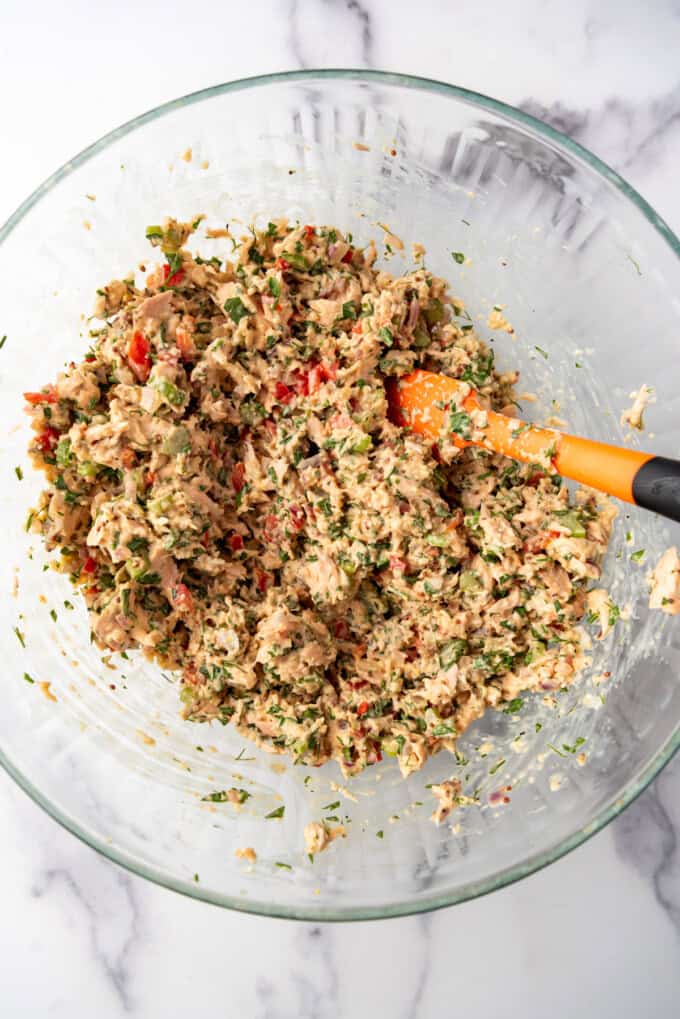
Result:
[
  {"x": 347, "y": 22},
  {"x": 622, "y": 132},
  {"x": 313, "y": 979},
  {"x": 646, "y": 838},
  {"x": 112, "y": 935},
  {"x": 414, "y": 1006}
]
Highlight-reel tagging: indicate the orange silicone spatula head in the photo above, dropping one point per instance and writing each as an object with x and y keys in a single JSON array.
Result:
[{"x": 436, "y": 406}]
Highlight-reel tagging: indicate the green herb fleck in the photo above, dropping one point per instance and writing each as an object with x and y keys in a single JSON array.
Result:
[
  {"x": 554, "y": 748},
  {"x": 460, "y": 423},
  {"x": 451, "y": 651},
  {"x": 235, "y": 309},
  {"x": 513, "y": 706}
]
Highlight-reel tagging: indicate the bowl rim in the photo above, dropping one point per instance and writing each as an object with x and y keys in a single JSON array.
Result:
[{"x": 535, "y": 862}]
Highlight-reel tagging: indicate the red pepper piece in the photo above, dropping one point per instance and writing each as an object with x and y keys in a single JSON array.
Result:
[
  {"x": 182, "y": 598},
  {"x": 47, "y": 440},
  {"x": 283, "y": 393},
  {"x": 238, "y": 476},
  {"x": 297, "y": 516},
  {"x": 138, "y": 355},
  {"x": 263, "y": 580},
  {"x": 49, "y": 396},
  {"x": 175, "y": 279}
]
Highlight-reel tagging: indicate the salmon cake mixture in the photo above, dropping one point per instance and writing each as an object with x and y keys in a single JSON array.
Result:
[{"x": 228, "y": 493}]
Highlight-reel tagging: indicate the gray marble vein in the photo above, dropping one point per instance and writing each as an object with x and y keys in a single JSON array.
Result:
[
  {"x": 646, "y": 838},
  {"x": 111, "y": 914},
  {"x": 413, "y": 1008},
  {"x": 312, "y": 978},
  {"x": 635, "y": 138},
  {"x": 348, "y": 23}
]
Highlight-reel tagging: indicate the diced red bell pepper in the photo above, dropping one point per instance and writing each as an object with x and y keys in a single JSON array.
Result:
[
  {"x": 49, "y": 396},
  {"x": 263, "y": 580},
  {"x": 90, "y": 565},
  {"x": 282, "y": 264},
  {"x": 315, "y": 377},
  {"x": 236, "y": 542},
  {"x": 271, "y": 529},
  {"x": 297, "y": 517},
  {"x": 309, "y": 232},
  {"x": 138, "y": 355},
  {"x": 363, "y": 708},
  {"x": 238, "y": 476},
  {"x": 283, "y": 393},
  {"x": 182, "y": 598},
  {"x": 302, "y": 383},
  {"x": 175, "y": 279},
  {"x": 47, "y": 440},
  {"x": 348, "y": 256}
]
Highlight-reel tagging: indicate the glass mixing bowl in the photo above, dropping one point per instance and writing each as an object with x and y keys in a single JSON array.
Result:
[{"x": 583, "y": 268}]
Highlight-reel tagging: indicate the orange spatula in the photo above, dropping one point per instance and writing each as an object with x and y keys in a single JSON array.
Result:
[{"x": 434, "y": 405}]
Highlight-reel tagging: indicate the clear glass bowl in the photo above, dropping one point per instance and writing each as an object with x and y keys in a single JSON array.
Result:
[{"x": 584, "y": 269}]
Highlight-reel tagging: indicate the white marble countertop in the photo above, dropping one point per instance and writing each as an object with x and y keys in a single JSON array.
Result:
[{"x": 597, "y": 934}]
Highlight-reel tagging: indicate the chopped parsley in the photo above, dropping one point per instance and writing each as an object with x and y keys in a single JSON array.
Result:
[{"x": 235, "y": 309}]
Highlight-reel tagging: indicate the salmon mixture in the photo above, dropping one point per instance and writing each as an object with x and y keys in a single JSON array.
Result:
[{"x": 227, "y": 491}]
